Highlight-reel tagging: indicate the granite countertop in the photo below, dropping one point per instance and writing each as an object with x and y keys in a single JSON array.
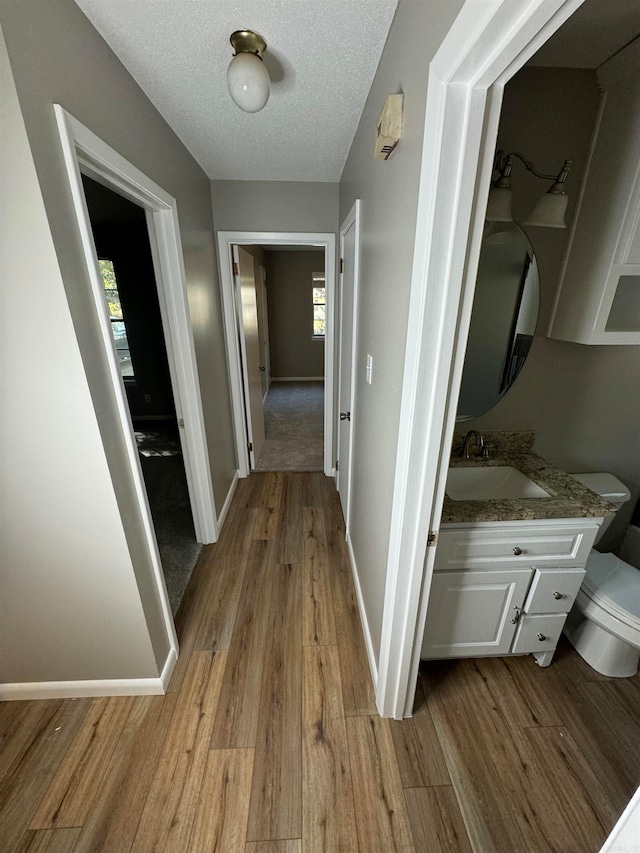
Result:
[{"x": 569, "y": 498}]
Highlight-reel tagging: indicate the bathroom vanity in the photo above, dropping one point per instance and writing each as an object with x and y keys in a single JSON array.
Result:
[{"x": 508, "y": 569}]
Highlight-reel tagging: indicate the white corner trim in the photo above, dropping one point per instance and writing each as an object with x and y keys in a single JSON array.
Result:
[
  {"x": 93, "y": 687},
  {"x": 625, "y": 834},
  {"x": 228, "y": 499},
  {"x": 363, "y": 615},
  {"x": 167, "y": 669}
]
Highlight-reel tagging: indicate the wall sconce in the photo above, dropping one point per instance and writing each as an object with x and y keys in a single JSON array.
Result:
[
  {"x": 551, "y": 207},
  {"x": 247, "y": 77}
]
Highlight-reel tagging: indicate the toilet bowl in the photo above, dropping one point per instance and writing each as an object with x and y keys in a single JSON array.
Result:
[{"x": 604, "y": 624}]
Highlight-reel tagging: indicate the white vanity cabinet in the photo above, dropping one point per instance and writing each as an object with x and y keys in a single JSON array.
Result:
[
  {"x": 598, "y": 299},
  {"x": 505, "y": 587}
]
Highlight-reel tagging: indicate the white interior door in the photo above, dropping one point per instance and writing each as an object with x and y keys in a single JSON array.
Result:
[
  {"x": 263, "y": 325},
  {"x": 349, "y": 236},
  {"x": 250, "y": 349}
]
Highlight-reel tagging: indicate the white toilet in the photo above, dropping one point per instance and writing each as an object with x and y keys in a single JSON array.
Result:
[{"x": 604, "y": 624}]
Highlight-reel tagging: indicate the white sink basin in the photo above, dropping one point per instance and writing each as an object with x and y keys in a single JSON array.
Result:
[{"x": 491, "y": 483}]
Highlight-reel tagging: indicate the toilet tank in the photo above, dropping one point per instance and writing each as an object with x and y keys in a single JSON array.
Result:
[{"x": 609, "y": 488}]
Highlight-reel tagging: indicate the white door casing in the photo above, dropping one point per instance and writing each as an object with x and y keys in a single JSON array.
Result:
[
  {"x": 489, "y": 41},
  {"x": 249, "y": 334},
  {"x": 315, "y": 240},
  {"x": 347, "y": 334},
  {"x": 263, "y": 324}
]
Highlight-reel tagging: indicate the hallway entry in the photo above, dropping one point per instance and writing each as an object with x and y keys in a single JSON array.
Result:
[
  {"x": 124, "y": 255},
  {"x": 280, "y": 297}
]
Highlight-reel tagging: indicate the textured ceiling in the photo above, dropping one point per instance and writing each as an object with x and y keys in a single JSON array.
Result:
[
  {"x": 321, "y": 57},
  {"x": 594, "y": 33}
]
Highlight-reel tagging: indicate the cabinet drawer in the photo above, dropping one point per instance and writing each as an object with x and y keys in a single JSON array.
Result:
[
  {"x": 538, "y": 633},
  {"x": 514, "y": 547},
  {"x": 553, "y": 590}
]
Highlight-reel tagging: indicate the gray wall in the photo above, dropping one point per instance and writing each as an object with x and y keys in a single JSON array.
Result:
[
  {"x": 582, "y": 401},
  {"x": 58, "y": 57},
  {"x": 70, "y": 607},
  {"x": 274, "y": 206},
  {"x": 290, "y": 304},
  {"x": 389, "y": 193}
]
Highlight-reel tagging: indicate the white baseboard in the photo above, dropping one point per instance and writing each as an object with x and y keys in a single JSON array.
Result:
[
  {"x": 363, "y": 616},
  {"x": 99, "y": 687},
  {"x": 227, "y": 503},
  {"x": 297, "y": 379}
]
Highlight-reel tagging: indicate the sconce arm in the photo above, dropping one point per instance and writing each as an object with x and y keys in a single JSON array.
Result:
[{"x": 502, "y": 160}]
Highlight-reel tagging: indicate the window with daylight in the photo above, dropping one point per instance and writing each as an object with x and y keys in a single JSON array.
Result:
[
  {"x": 319, "y": 305},
  {"x": 118, "y": 328}
]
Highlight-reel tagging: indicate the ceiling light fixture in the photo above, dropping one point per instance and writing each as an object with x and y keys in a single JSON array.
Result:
[
  {"x": 551, "y": 207},
  {"x": 247, "y": 76}
]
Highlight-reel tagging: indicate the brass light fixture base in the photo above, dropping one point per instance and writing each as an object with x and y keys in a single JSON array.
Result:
[{"x": 247, "y": 41}]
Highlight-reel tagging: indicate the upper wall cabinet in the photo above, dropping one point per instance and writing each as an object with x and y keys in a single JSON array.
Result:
[{"x": 598, "y": 300}]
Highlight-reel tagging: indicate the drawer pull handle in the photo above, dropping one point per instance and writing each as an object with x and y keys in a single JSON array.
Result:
[
  {"x": 542, "y": 638},
  {"x": 518, "y": 551},
  {"x": 558, "y": 596},
  {"x": 518, "y": 610}
]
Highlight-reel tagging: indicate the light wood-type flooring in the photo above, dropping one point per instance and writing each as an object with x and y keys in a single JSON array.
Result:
[{"x": 268, "y": 739}]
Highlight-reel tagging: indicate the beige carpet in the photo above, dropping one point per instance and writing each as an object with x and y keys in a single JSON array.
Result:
[{"x": 294, "y": 427}]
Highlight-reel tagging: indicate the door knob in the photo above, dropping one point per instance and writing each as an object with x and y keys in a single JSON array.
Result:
[
  {"x": 261, "y": 368},
  {"x": 518, "y": 610},
  {"x": 345, "y": 416},
  {"x": 557, "y": 596},
  {"x": 542, "y": 638},
  {"x": 518, "y": 551}
]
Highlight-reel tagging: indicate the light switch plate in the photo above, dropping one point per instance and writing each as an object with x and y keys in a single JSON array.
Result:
[{"x": 369, "y": 368}]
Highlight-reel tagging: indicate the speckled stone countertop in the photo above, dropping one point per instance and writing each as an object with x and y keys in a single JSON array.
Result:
[{"x": 569, "y": 498}]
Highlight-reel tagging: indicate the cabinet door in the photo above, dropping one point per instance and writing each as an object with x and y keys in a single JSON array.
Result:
[{"x": 470, "y": 613}]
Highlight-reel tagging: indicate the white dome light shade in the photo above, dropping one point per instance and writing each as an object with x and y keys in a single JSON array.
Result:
[{"x": 248, "y": 82}]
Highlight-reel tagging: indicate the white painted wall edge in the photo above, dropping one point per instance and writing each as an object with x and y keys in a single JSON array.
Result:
[
  {"x": 227, "y": 239},
  {"x": 227, "y": 503},
  {"x": 625, "y": 834},
  {"x": 98, "y": 687},
  {"x": 363, "y": 615},
  {"x": 489, "y": 41}
]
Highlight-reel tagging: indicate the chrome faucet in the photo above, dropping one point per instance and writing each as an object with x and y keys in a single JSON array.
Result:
[{"x": 479, "y": 440}]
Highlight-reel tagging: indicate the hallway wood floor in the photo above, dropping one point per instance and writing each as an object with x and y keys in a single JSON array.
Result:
[{"x": 268, "y": 740}]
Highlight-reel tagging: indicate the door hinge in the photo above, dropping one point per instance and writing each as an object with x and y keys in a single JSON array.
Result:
[
  {"x": 236, "y": 271},
  {"x": 336, "y": 464},
  {"x": 341, "y": 265},
  {"x": 431, "y": 538},
  {"x": 250, "y": 447}
]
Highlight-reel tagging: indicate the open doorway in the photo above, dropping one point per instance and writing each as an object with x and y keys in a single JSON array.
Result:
[
  {"x": 278, "y": 294},
  {"x": 282, "y": 292},
  {"x": 130, "y": 290}
]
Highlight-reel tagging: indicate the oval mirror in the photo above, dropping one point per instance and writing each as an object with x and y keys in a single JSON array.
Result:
[{"x": 503, "y": 320}]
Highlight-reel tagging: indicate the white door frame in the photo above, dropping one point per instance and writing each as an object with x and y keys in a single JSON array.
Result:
[
  {"x": 246, "y": 389},
  {"x": 488, "y": 42},
  {"x": 264, "y": 313},
  {"x": 352, "y": 220},
  {"x": 227, "y": 239},
  {"x": 85, "y": 153}
]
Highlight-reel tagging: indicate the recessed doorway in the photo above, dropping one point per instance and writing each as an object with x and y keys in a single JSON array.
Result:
[
  {"x": 121, "y": 238},
  {"x": 278, "y": 294}
]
